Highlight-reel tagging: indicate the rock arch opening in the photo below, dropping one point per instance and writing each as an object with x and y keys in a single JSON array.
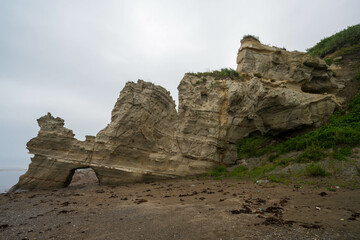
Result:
[{"x": 82, "y": 177}]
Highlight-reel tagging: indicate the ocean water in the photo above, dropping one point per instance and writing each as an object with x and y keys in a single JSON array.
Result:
[{"x": 9, "y": 177}]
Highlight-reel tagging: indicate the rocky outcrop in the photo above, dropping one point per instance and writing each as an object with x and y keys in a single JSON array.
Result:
[
  {"x": 137, "y": 145},
  {"x": 276, "y": 91},
  {"x": 215, "y": 114},
  {"x": 311, "y": 73},
  {"x": 56, "y": 155}
]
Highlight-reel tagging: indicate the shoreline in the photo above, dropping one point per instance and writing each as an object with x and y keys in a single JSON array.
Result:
[
  {"x": 9, "y": 177},
  {"x": 182, "y": 209}
]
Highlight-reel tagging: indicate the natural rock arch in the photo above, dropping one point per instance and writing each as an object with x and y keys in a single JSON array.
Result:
[{"x": 82, "y": 176}]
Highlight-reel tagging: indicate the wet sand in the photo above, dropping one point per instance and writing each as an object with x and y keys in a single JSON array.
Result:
[{"x": 182, "y": 209}]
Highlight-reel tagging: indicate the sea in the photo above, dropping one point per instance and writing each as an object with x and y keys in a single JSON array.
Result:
[{"x": 9, "y": 177}]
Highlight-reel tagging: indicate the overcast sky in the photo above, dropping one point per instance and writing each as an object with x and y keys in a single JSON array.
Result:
[{"x": 72, "y": 58}]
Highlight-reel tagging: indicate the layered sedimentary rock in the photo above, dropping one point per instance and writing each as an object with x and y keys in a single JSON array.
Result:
[
  {"x": 56, "y": 155},
  {"x": 215, "y": 114},
  {"x": 137, "y": 145},
  {"x": 147, "y": 139},
  {"x": 312, "y": 74},
  {"x": 140, "y": 138}
]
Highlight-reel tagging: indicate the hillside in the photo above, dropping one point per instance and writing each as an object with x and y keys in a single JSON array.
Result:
[
  {"x": 331, "y": 151},
  {"x": 342, "y": 40}
]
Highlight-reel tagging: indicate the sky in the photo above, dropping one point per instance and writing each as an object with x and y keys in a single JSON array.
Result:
[{"x": 73, "y": 57}]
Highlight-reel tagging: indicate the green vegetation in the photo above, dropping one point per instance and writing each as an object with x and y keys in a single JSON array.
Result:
[
  {"x": 328, "y": 61},
  {"x": 315, "y": 170},
  {"x": 253, "y": 146},
  {"x": 341, "y": 53},
  {"x": 346, "y": 38},
  {"x": 243, "y": 172},
  {"x": 342, "y": 153},
  {"x": 341, "y": 134},
  {"x": 282, "y": 161},
  {"x": 248, "y": 36},
  {"x": 217, "y": 172},
  {"x": 347, "y": 51},
  {"x": 343, "y": 129},
  {"x": 278, "y": 178},
  {"x": 334, "y": 140},
  {"x": 222, "y": 74},
  {"x": 312, "y": 153},
  {"x": 240, "y": 171},
  {"x": 203, "y": 80}
]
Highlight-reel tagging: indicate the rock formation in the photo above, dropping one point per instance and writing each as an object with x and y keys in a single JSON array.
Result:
[
  {"x": 137, "y": 145},
  {"x": 147, "y": 139},
  {"x": 311, "y": 73},
  {"x": 215, "y": 114}
]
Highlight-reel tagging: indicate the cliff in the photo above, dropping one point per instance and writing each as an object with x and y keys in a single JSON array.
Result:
[{"x": 273, "y": 91}]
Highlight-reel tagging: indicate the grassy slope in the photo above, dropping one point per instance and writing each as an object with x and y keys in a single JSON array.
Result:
[
  {"x": 343, "y": 130},
  {"x": 344, "y": 39}
]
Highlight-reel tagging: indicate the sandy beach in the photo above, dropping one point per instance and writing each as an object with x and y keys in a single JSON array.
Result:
[{"x": 182, "y": 209}]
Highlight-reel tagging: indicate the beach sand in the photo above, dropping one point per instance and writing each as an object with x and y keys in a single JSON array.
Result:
[{"x": 182, "y": 209}]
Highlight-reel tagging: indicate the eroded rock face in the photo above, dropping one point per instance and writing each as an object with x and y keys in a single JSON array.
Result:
[
  {"x": 147, "y": 139},
  {"x": 56, "y": 154},
  {"x": 311, "y": 73},
  {"x": 137, "y": 145},
  {"x": 141, "y": 128},
  {"x": 215, "y": 114}
]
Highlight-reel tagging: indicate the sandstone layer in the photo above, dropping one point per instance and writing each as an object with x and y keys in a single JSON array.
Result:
[
  {"x": 215, "y": 114},
  {"x": 148, "y": 139},
  {"x": 310, "y": 73}
]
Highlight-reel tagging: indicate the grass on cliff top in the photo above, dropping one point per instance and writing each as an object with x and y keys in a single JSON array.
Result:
[
  {"x": 249, "y": 36},
  {"x": 222, "y": 74},
  {"x": 345, "y": 38}
]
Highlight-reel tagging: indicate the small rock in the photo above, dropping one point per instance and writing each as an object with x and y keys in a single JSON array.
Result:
[
  {"x": 3, "y": 226},
  {"x": 138, "y": 201},
  {"x": 262, "y": 181}
]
